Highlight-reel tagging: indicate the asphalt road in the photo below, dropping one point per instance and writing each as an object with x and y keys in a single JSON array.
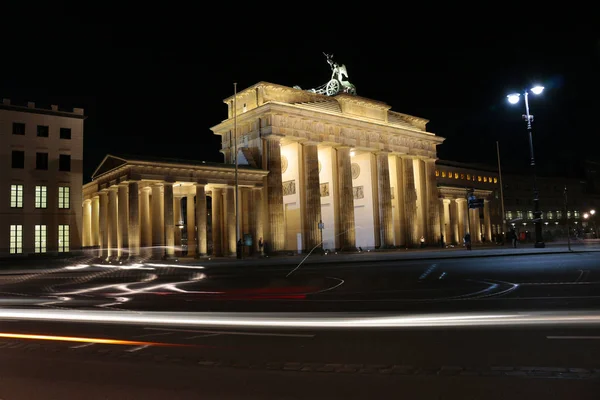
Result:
[{"x": 332, "y": 330}]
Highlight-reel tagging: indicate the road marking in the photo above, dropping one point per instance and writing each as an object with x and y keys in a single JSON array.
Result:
[
  {"x": 235, "y": 332},
  {"x": 203, "y": 336},
  {"x": 583, "y": 276},
  {"x": 574, "y": 337},
  {"x": 137, "y": 348},
  {"x": 80, "y": 346},
  {"x": 428, "y": 271}
]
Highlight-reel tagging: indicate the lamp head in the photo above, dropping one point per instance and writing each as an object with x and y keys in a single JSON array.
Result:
[
  {"x": 537, "y": 89},
  {"x": 513, "y": 98}
]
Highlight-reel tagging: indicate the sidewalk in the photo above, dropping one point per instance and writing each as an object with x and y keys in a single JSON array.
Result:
[
  {"x": 401, "y": 255},
  {"x": 30, "y": 265}
]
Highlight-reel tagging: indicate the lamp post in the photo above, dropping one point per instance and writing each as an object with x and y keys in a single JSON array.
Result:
[
  {"x": 592, "y": 213},
  {"x": 537, "y": 214}
]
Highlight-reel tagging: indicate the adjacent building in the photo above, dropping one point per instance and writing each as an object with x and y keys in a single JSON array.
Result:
[{"x": 41, "y": 161}]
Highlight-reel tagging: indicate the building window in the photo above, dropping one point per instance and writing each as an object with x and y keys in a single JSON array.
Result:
[
  {"x": 509, "y": 215},
  {"x": 558, "y": 214},
  {"x": 41, "y": 196},
  {"x": 568, "y": 214},
  {"x": 462, "y": 176},
  {"x": 64, "y": 162},
  {"x": 490, "y": 179},
  {"x": 468, "y": 177},
  {"x": 16, "y": 239},
  {"x": 40, "y": 239},
  {"x": 550, "y": 215},
  {"x": 64, "y": 197},
  {"x": 437, "y": 172},
  {"x": 519, "y": 214},
  {"x": 65, "y": 133},
  {"x": 443, "y": 174},
  {"x": 18, "y": 159},
  {"x": 41, "y": 161},
  {"x": 43, "y": 131},
  {"x": 529, "y": 214},
  {"x": 63, "y": 238},
  {"x": 18, "y": 128},
  {"x": 576, "y": 214},
  {"x": 16, "y": 196},
  {"x": 495, "y": 180}
]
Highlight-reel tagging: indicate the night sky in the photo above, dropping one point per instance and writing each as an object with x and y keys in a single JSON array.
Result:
[{"x": 152, "y": 81}]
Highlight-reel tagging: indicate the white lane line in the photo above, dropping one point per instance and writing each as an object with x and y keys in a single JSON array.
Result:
[
  {"x": 154, "y": 334},
  {"x": 235, "y": 332},
  {"x": 137, "y": 348},
  {"x": 583, "y": 276},
  {"x": 203, "y": 336},
  {"x": 80, "y": 346},
  {"x": 574, "y": 337},
  {"x": 428, "y": 271}
]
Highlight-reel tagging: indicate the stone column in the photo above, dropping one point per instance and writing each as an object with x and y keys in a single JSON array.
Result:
[
  {"x": 177, "y": 218},
  {"x": 103, "y": 224},
  {"x": 443, "y": 205},
  {"x": 190, "y": 208},
  {"x": 432, "y": 206},
  {"x": 230, "y": 223},
  {"x": 276, "y": 240},
  {"x": 347, "y": 238},
  {"x": 146, "y": 221},
  {"x": 133, "y": 233},
  {"x": 201, "y": 219},
  {"x": 169, "y": 219},
  {"x": 158, "y": 234},
  {"x": 312, "y": 214},
  {"x": 454, "y": 218},
  {"x": 257, "y": 211},
  {"x": 217, "y": 220},
  {"x": 410, "y": 202},
  {"x": 461, "y": 208},
  {"x": 113, "y": 223},
  {"x": 486, "y": 220},
  {"x": 386, "y": 222},
  {"x": 96, "y": 221},
  {"x": 123, "y": 220},
  {"x": 86, "y": 238},
  {"x": 401, "y": 225}
]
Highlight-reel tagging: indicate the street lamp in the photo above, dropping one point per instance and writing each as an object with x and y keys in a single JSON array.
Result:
[{"x": 537, "y": 214}]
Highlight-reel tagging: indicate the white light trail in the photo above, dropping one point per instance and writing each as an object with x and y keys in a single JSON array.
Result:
[{"x": 309, "y": 320}]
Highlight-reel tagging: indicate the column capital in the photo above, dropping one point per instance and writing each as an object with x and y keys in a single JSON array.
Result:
[
  {"x": 458, "y": 200},
  {"x": 201, "y": 182},
  {"x": 274, "y": 136}
]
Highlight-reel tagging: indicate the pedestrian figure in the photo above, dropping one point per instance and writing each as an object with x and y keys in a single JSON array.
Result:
[
  {"x": 514, "y": 238},
  {"x": 261, "y": 245},
  {"x": 467, "y": 240},
  {"x": 422, "y": 241}
]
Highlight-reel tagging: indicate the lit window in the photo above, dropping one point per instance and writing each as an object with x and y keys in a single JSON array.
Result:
[
  {"x": 490, "y": 179},
  {"x": 63, "y": 238},
  {"x": 550, "y": 215},
  {"x": 443, "y": 174},
  {"x": 468, "y": 177},
  {"x": 16, "y": 196},
  {"x": 462, "y": 176},
  {"x": 576, "y": 214},
  {"x": 485, "y": 178},
  {"x": 529, "y": 214},
  {"x": 437, "y": 172},
  {"x": 16, "y": 239},
  {"x": 495, "y": 180},
  {"x": 478, "y": 178},
  {"x": 558, "y": 214},
  {"x": 509, "y": 215},
  {"x": 40, "y": 196},
  {"x": 64, "y": 197},
  {"x": 40, "y": 238},
  {"x": 568, "y": 214},
  {"x": 519, "y": 214},
  {"x": 456, "y": 175}
]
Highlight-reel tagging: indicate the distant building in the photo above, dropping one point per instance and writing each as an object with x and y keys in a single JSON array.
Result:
[
  {"x": 41, "y": 161},
  {"x": 455, "y": 182}
]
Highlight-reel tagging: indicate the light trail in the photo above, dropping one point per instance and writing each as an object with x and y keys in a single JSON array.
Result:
[
  {"x": 81, "y": 339},
  {"x": 308, "y": 320}
]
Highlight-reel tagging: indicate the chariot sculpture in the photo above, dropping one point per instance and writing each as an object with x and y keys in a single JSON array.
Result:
[{"x": 338, "y": 83}]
